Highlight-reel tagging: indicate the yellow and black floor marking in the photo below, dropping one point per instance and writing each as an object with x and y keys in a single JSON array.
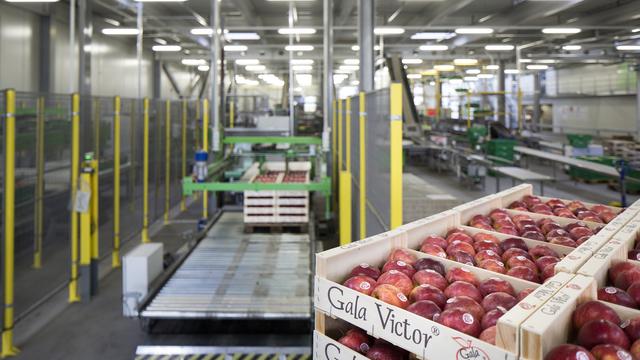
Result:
[
  {"x": 222, "y": 353},
  {"x": 182, "y": 357}
]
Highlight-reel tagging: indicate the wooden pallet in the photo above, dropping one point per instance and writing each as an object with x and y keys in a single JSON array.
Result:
[{"x": 277, "y": 228}]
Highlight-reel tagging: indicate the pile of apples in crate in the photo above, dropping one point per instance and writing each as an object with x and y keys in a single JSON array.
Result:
[
  {"x": 456, "y": 298},
  {"x": 557, "y": 207},
  {"x": 268, "y": 177},
  {"x": 376, "y": 349},
  {"x": 295, "y": 177},
  {"x": 523, "y": 225}
]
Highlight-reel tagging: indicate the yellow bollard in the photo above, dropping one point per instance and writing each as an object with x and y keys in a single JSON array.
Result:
[
  {"x": 183, "y": 201},
  {"x": 347, "y": 136},
  {"x": 340, "y": 135},
  {"x": 115, "y": 255},
  {"x": 396, "y": 156},
  {"x": 345, "y": 207},
  {"x": 39, "y": 188},
  {"x": 75, "y": 172},
  {"x": 205, "y": 146},
  {"x": 363, "y": 167},
  {"x": 8, "y": 349},
  {"x": 167, "y": 160},
  {"x": 145, "y": 172}
]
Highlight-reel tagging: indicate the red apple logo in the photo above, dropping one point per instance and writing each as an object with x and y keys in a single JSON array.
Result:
[{"x": 468, "y": 351}]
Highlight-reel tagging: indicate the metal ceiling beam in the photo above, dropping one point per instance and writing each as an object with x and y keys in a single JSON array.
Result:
[
  {"x": 626, "y": 12},
  {"x": 347, "y": 7}
]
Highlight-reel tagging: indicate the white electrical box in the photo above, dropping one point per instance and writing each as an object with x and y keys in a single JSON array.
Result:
[{"x": 139, "y": 268}]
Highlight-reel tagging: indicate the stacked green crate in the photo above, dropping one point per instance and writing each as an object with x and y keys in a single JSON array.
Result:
[
  {"x": 501, "y": 148},
  {"x": 475, "y": 133},
  {"x": 579, "y": 141},
  {"x": 588, "y": 175}
]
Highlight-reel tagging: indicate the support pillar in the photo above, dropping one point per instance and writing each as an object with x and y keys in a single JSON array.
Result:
[
  {"x": 327, "y": 94},
  {"x": 537, "y": 89},
  {"x": 44, "y": 73},
  {"x": 365, "y": 40},
  {"x": 213, "y": 66},
  {"x": 503, "y": 97},
  {"x": 638, "y": 102},
  {"x": 85, "y": 26}
]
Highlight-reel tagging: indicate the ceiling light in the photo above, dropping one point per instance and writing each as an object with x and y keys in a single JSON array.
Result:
[
  {"x": 193, "y": 62},
  {"x": 355, "y": 83},
  {"x": 166, "y": 48},
  {"x": 474, "y": 30},
  {"x": 112, "y": 22},
  {"x": 492, "y": 67},
  {"x": 235, "y": 48},
  {"x": 628, "y": 47},
  {"x": 635, "y": 30},
  {"x": 412, "y": 61},
  {"x": 511, "y": 71},
  {"x": 432, "y": 36},
  {"x": 302, "y": 68},
  {"x": 388, "y": 31},
  {"x": 304, "y": 79},
  {"x": 349, "y": 68},
  {"x": 160, "y": 41},
  {"x": 473, "y": 71},
  {"x": 414, "y": 76},
  {"x": 434, "y": 47},
  {"x": 485, "y": 76},
  {"x": 301, "y": 62},
  {"x": 559, "y": 30},
  {"x": 159, "y": 0},
  {"x": 203, "y": 68},
  {"x": 290, "y": 0},
  {"x": 455, "y": 81},
  {"x": 357, "y": 48},
  {"x": 120, "y": 31},
  {"x": 571, "y": 47},
  {"x": 202, "y": 31},
  {"x": 32, "y": 1},
  {"x": 255, "y": 68},
  {"x": 499, "y": 47},
  {"x": 526, "y": 60},
  {"x": 351, "y": 62},
  {"x": 465, "y": 62},
  {"x": 537, "y": 67},
  {"x": 546, "y": 61},
  {"x": 242, "y": 36},
  {"x": 470, "y": 78},
  {"x": 444, "y": 67},
  {"x": 247, "y": 62},
  {"x": 298, "y": 48},
  {"x": 296, "y": 31}
]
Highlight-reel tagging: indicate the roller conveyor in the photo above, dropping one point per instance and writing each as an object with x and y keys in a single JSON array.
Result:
[{"x": 232, "y": 275}]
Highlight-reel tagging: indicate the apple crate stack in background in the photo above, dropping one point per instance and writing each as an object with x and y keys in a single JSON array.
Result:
[{"x": 524, "y": 332}]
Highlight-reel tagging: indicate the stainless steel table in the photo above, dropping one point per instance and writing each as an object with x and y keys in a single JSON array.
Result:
[{"x": 524, "y": 175}]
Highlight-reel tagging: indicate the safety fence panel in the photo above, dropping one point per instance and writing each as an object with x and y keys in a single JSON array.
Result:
[
  {"x": 354, "y": 153},
  {"x": 131, "y": 160}
]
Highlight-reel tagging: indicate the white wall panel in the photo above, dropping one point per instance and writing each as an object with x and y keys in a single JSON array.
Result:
[
  {"x": 18, "y": 49},
  {"x": 605, "y": 113}
]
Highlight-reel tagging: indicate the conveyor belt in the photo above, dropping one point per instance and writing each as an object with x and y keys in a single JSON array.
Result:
[{"x": 240, "y": 276}]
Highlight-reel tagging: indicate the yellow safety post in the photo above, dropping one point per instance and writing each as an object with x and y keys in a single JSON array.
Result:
[
  {"x": 363, "y": 167},
  {"x": 345, "y": 207},
  {"x": 347, "y": 135},
  {"x": 75, "y": 172},
  {"x": 231, "y": 114},
  {"x": 115, "y": 255},
  {"x": 88, "y": 210},
  {"x": 183, "y": 201},
  {"x": 205, "y": 146},
  {"x": 145, "y": 171},
  {"x": 468, "y": 110},
  {"x": 38, "y": 217},
  {"x": 340, "y": 136},
  {"x": 8, "y": 349},
  {"x": 396, "y": 155},
  {"x": 167, "y": 160}
]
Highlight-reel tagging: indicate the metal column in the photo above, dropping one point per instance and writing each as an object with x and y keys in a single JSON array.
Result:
[
  {"x": 502, "y": 98},
  {"x": 328, "y": 72},
  {"x": 638, "y": 102},
  {"x": 44, "y": 73},
  {"x": 139, "y": 40},
  {"x": 213, "y": 66},
  {"x": 365, "y": 40},
  {"x": 536, "y": 100},
  {"x": 85, "y": 24}
]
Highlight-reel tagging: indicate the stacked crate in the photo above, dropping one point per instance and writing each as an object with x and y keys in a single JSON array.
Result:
[
  {"x": 293, "y": 206},
  {"x": 260, "y": 207}
]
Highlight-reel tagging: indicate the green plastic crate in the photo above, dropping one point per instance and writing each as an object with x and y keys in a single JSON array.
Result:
[
  {"x": 579, "y": 141},
  {"x": 502, "y": 148}
]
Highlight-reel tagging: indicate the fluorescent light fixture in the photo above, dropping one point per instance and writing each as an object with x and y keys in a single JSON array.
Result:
[
  {"x": 432, "y": 36},
  {"x": 112, "y": 22},
  {"x": 473, "y": 71},
  {"x": 526, "y": 60},
  {"x": 202, "y": 31},
  {"x": 511, "y": 71},
  {"x": 290, "y": 0},
  {"x": 546, "y": 61},
  {"x": 470, "y": 78},
  {"x": 351, "y": 62},
  {"x": 166, "y": 48},
  {"x": 384, "y": 30},
  {"x": 444, "y": 67},
  {"x": 485, "y": 76},
  {"x": 299, "y": 48},
  {"x": 355, "y": 83},
  {"x": 32, "y": 1},
  {"x": 455, "y": 81},
  {"x": 628, "y": 47},
  {"x": 242, "y": 36},
  {"x": 465, "y": 62},
  {"x": 434, "y": 47},
  {"x": 203, "y": 68},
  {"x": 120, "y": 31},
  {"x": 571, "y": 47},
  {"x": 537, "y": 67},
  {"x": 560, "y": 30},
  {"x": 160, "y": 41},
  {"x": 412, "y": 61},
  {"x": 474, "y": 30},
  {"x": 302, "y": 68},
  {"x": 414, "y": 76},
  {"x": 492, "y": 67},
  {"x": 255, "y": 68},
  {"x": 159, "y": 0},
  {"x": 235, "y": 48},
  {"x": 357, "y": 48},
  {"x": 296, "y": 31},
  {"x": 194, "y": 62},
  {"x": 247, "y": 62},
  {"x": 304, "y": 79},
  {"x": 635, "y": 30},
  {"x": 301, "y": 62},
  {"x": 350, "y": 68},
  {"x": 499, "y": 47}
]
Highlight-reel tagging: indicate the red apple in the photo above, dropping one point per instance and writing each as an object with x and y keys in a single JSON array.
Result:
[
  {"x": 495, "y": 284},
  {"x": 522, "y": 261},
  {"x": 467, "y": 304},
  {"x": 482, "y": 226},
  {"x": 462, "y": 274},
  {"x": 460, "y": 246},
  {"x": 635, "y": 349},
  {"x": 539, "y": 251},
  {"x": 610, "y": 352},
  {"x": 390, "y": 295},
  {"x": 507, "y": 230},
  {"x": 488, "y": 335},
  {"x": 557, "y": 233},
  {"x": 564, "y": 212},
  {"x": 479, "y": 219},
  {"x": 574, "y": 225},
  {"x": 485, "y": 237},
  {"x": 486, "y": 254},
  {"x": 381, "y": 351},
  {"x": 533, "y": 235},
  {"x": 596, "y": 332},
  {"x": 431, "y": 264},
  {"x": 521, "y": 217},
  {"x": 524, "y": 293},
  {"x": 356, "y": 340},
  {"x": 425, "y": 308},
  {"x": 493, "y": 265},
  {"x": 487, "y": 245},
  {"x": 607, "y": 216},
  {"x": 616, "y": 296},
  {"x": 618, "y": 268},
  {"x": 513, "y": 252},
  {"x": 624, "y": 279},
  {"x": 634, "y": 292},
  {"x": 583, "y": 239},
  {"x": 397, "y": 279},
  {"x": 430, "y": 277},
  {"x": 435, "y": 240},
  {"x": 428, "y": 292},
  {"x": 555, "y": 202},
  {"x": 460, "y": 320},
  {"x": 593, "y": 310},
  {"x": 366, "y": 270},
  {"x": 544, "y": 261},
  {"x": 632, "y": 328},
  {"x": 634, "y": 255},
  {"x": 461, "y": 257},
  {"x": 513, "y": 243},
  {"x": 434, "y": 250},
  {"x": 463, "y": 288},
  {"x": 531, "y": 200},
  {"x": 524, "y": 273},
  {"x": 541, "y": 209},
  {"x": 498, "y": 299},
  {"x": 361, "y": 283},
  {"x": 548, "y": 272},
  {"x": 399, "y": 265},
  {"x": 563, "y": 240},
  {"x": 498, "y": 214},
  {"x": 569, "y": 352},
  {"x": 459, "y": 236},
  {"x": 548, "y": 227},
  {"x": 491, "y": 317},
  {"x": 517, "y": 204},
  {"x": 599, "y": 208},
  {"x": 575, "y": 205},
  {"x": 578, "y": 232},
  {"x": 402, "y": 255},
  {"x": 461, "y": 230}
]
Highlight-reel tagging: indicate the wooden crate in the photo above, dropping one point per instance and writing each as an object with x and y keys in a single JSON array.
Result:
[
  {"x": 327, "y": 348},
  {"x": 424, "y": 338}
]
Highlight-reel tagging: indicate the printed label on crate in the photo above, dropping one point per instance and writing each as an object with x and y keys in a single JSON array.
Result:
[{"x": 402, "y": 328}]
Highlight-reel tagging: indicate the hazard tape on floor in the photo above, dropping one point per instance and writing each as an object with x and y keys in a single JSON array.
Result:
[{"x": 213, "y": 353}]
